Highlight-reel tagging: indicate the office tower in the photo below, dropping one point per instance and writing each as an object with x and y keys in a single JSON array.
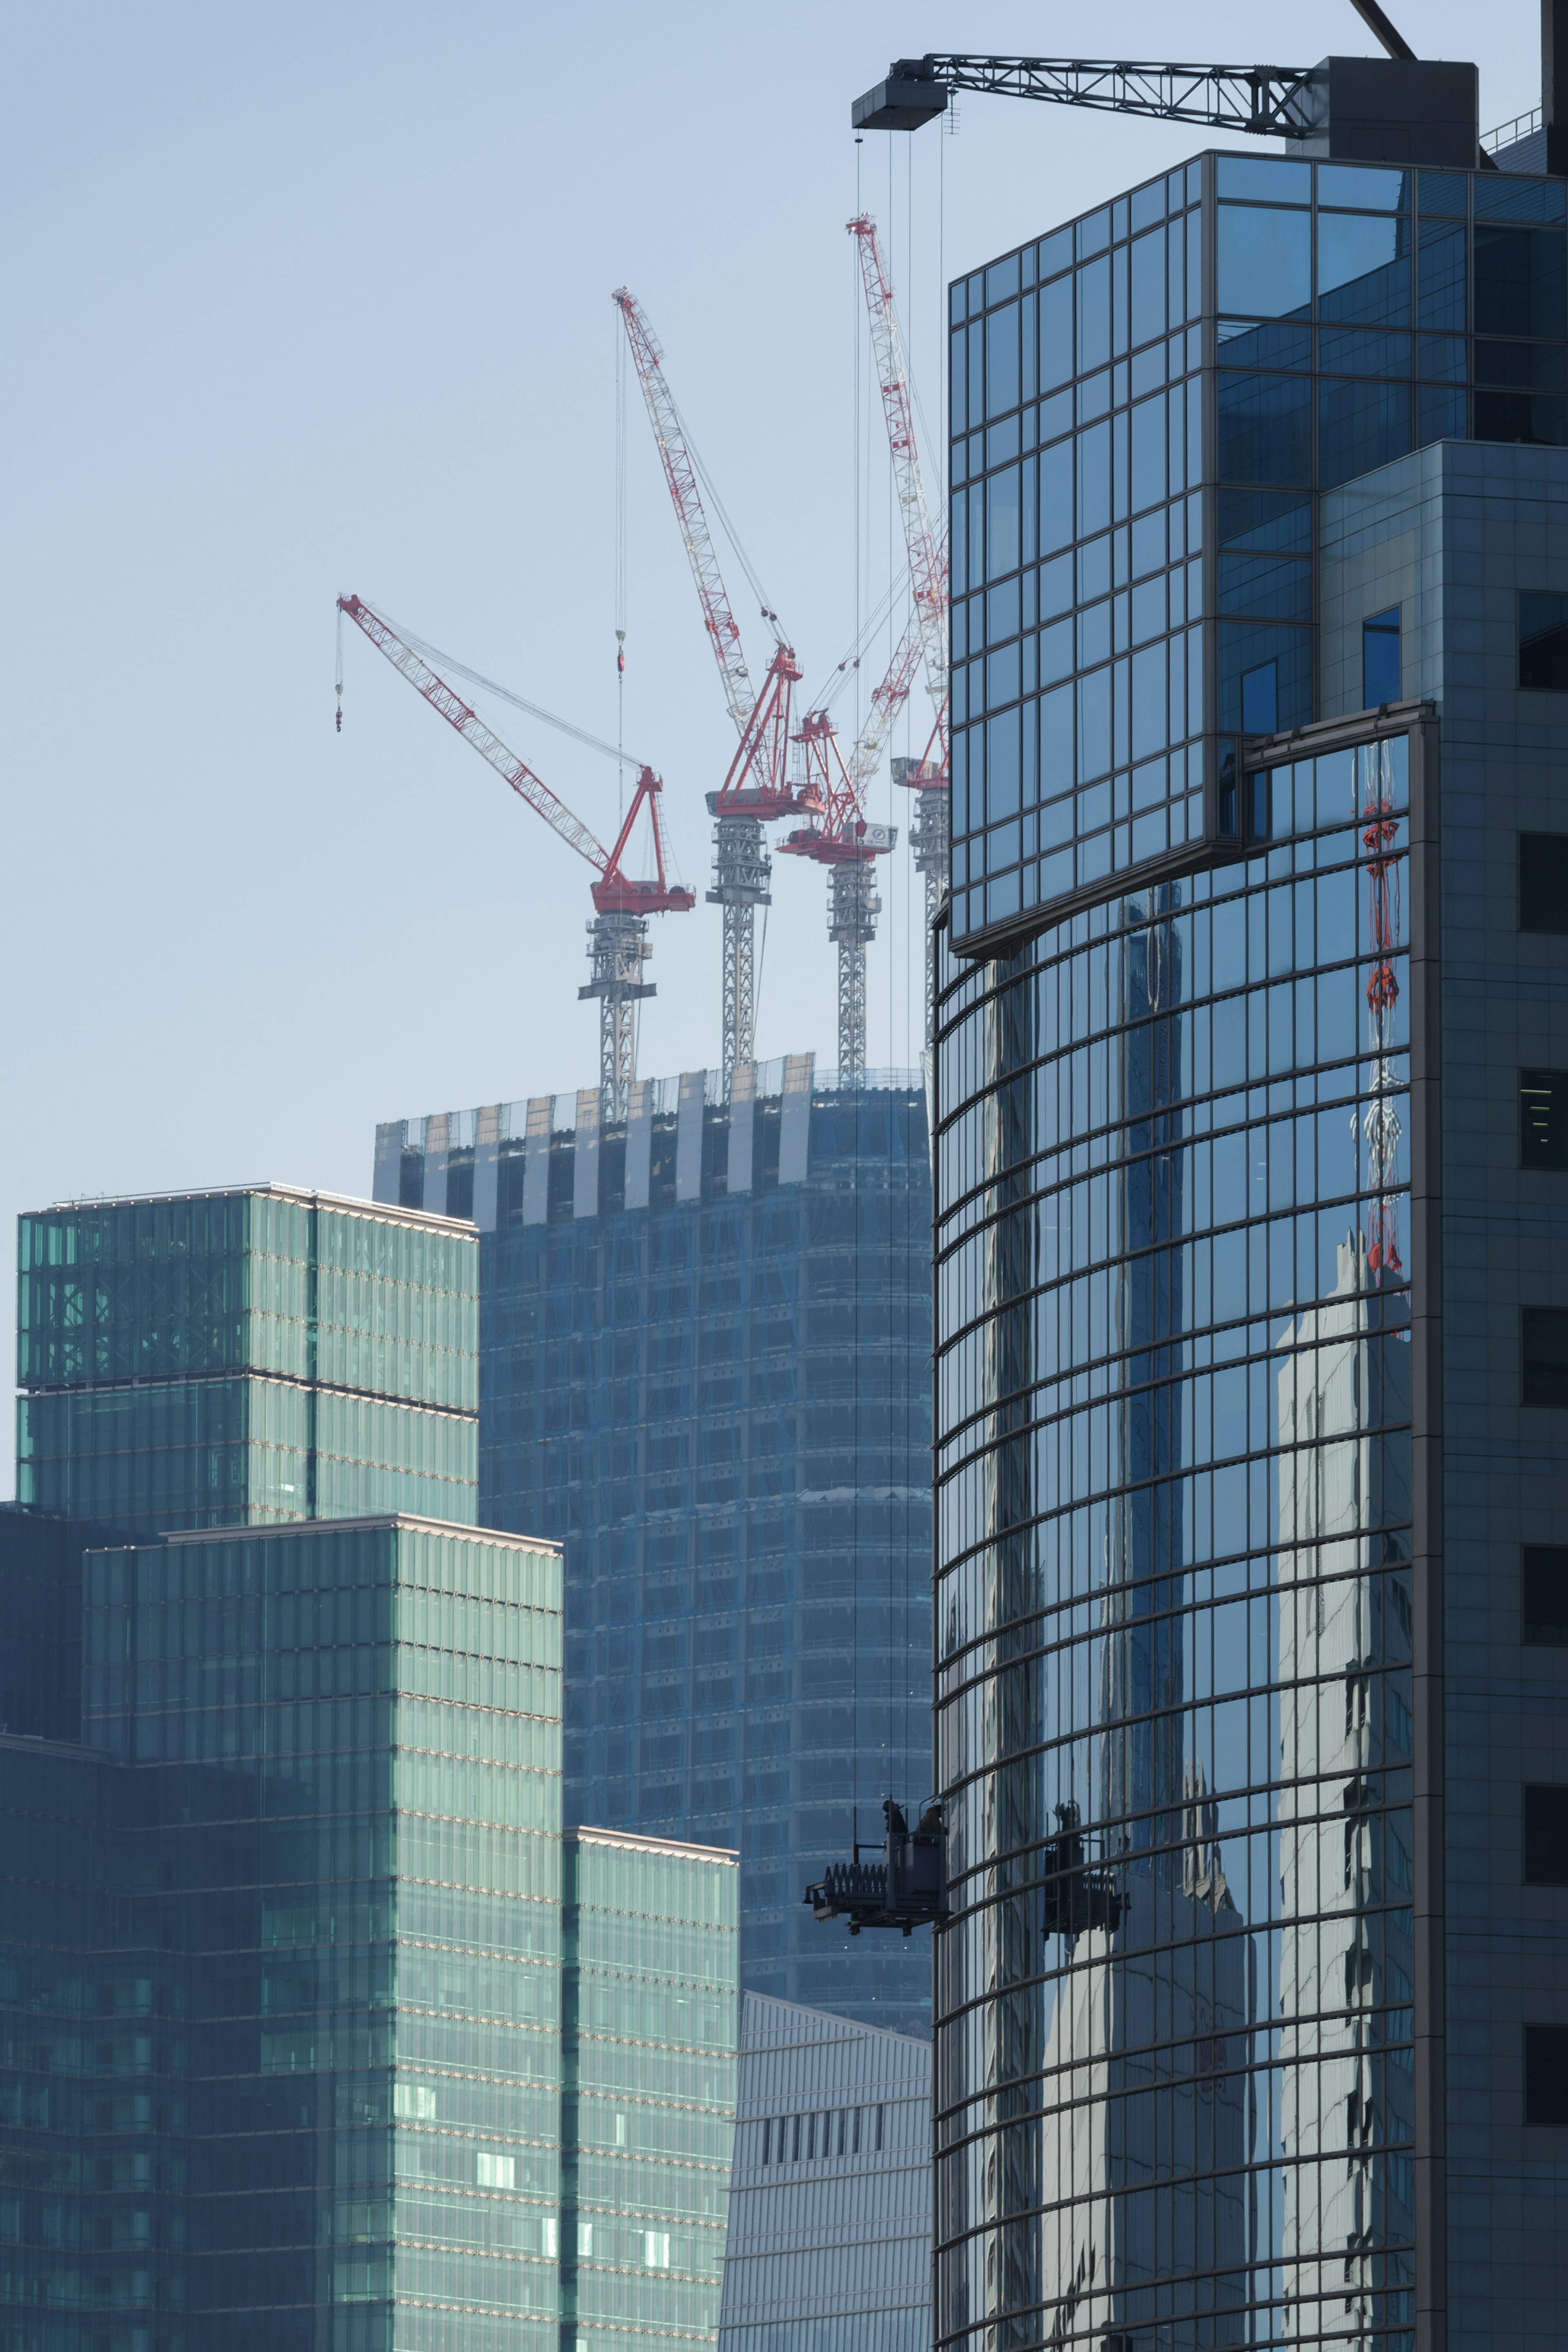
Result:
[
  {"x": 1250, "y": 1239},
  {"x": 704, "y": 1334},
  {"x": 829, "y": 2231},
  {"x": 294, "y": 2046},
  {"x": 649, "y": 2085},
  {"x": 235, "y": 1358},
  {"x": 308, "y": 2002}
]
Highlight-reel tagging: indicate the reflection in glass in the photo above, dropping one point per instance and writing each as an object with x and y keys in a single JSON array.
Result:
[{"x": 1175, "y": 1721}]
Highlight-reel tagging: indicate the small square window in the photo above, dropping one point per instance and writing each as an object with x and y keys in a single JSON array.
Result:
[
  {"x": 1543, "y": 1596},
  {"x": 1380, "y": 658},
  {"x": 1543, "y": 641},
  {"x": 1546, "y": 2076},
  {"x": 1546, "y": 1834},
  {"x": 1544, "y": 1356},
  {"x": 1544, "y": 1119},
  {"x": 1543, "y": 882}
]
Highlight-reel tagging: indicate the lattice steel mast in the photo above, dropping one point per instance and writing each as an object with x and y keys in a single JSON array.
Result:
[
  {"x": 618, "y": 932},
  {"x": 755, "y": 788},
  {"x": 930, "y": 834}
]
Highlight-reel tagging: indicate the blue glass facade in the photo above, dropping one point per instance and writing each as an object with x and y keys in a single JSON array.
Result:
[
  {"x": 1145, "y": 406},
  {"x": 705, "y": 1349},
  {"x": 1252, "y": 1467},
  {"x": 213, "y": 1359},
  {"x": 1176, "y": 1562}
]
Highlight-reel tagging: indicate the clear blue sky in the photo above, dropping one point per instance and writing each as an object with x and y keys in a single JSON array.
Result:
[{"x": 312, "y": 299}]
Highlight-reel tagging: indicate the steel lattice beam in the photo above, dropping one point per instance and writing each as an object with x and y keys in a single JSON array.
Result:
[{"x": 1268, "y": 102}]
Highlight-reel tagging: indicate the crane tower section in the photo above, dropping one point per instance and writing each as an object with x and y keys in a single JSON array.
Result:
[
  {"x": 618, "y": 941},
  {"x": 756, "y": 788}
]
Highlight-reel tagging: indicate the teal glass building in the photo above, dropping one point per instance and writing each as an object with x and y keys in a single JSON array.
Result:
[
  {"x": 305, "y": 1992},
  {"x": 704, "y": 1343},
  {"x": 1251, "y": 1315},
  {"x": 244, "y": 1358}
]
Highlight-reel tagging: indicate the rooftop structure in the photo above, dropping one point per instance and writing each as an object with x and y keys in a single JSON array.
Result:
[{"x": 243, "y": 1357}]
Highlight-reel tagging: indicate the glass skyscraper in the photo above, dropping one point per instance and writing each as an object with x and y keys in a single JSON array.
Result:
[
  {"x": 316, "y": 2027},
  {"x": 213, "y": 1360},
  {"x": 704, "y": 1339},
  {"x": 1251, "y": 1102}
]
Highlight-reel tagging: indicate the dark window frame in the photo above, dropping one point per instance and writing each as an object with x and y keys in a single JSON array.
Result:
[{"x": 1543, "y": 884}]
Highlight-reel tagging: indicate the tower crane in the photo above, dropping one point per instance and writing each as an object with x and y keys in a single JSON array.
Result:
[
  {"x": 845, "y": 841},
  {"x": 930, "y": 834},
  {"x": 618, "y": 933},
  {"x": 756, "y": 789}
]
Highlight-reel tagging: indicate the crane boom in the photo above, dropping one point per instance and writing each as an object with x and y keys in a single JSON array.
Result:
[
  {"x": 886, "y": 705},
  {"x": 1268, "y": 102},
  {"x": 680, "y": 473},
  {"x": 472, "y": 730},
  {"x": 927, "y": 570}
]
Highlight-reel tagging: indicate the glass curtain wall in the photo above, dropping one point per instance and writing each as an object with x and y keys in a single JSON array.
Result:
[
  {"x": 225, "y": 1360},
  {"x": 722, "y": 1408},
  {"x": 649, "y": 2058},
  {"x": 1145, "y": 404},
  {"x": 344, "y": 1898},
  {"x": 1173, "y": 1608}
]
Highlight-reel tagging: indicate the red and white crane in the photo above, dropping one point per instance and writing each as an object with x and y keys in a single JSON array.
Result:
[
  {"x": 758, "y": 788},
  {"x": 930, "y": 834},
  {"x": 846, "y": 842},
  {"x": 618, "y": 932}
]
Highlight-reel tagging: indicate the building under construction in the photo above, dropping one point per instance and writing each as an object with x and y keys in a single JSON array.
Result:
[{"x": 705, "y": 1348}]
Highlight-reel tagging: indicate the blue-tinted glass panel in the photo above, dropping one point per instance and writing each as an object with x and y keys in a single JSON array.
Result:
[
  {"x": 1265, "y": 429},
  {"x": 1364, "y": 269},
  {"x": 1442, "y": 414},
  {"x": 1260, "y": 701},
  {"x": 1094, "y": 725},
  {"x": 1265, "y": 260},
  {"x": 1148, "y": 205},
  {"x": 1442, "y": 264},
  {"x": 1363, "y": 188},
  {"x": 1093, "y": 316},
  {"x": 1269, "y": 521},
  {"x": 1147, "y": 433},
  {"x": 1521, "y": 284},
  {"x": 1148, "y": 283},
  {"x": 1245, "y": 646},
  {"x": 1380, "y": 658},
  {"x": 958, "y": 381},
  {"x": 1055, "y": 335},
  {"x": 1440, "y": 358},
  {"x": 1094, "y": 449},
  {"x": 1512, "y": 197},
  {"x": 1002, "y": 494},
  {"x": 1267, "y": 588},
  {"x": 1353, "y": 350},
  {"x": 1360, "y": 426},
  {"x": 1056, "y": 759},
  {"x": 1002, "y": 280},
  {"x": 1264, "y": 180},
  {"x": 1280, "y": 345},
  {"x": 1445, "y": 192},
  {"x": 1093, "y": 234},
  {"x": 1055, "y": 252},
  {"x": 1056, "y": 471},
  {"x": 1002, "y": 360}
]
